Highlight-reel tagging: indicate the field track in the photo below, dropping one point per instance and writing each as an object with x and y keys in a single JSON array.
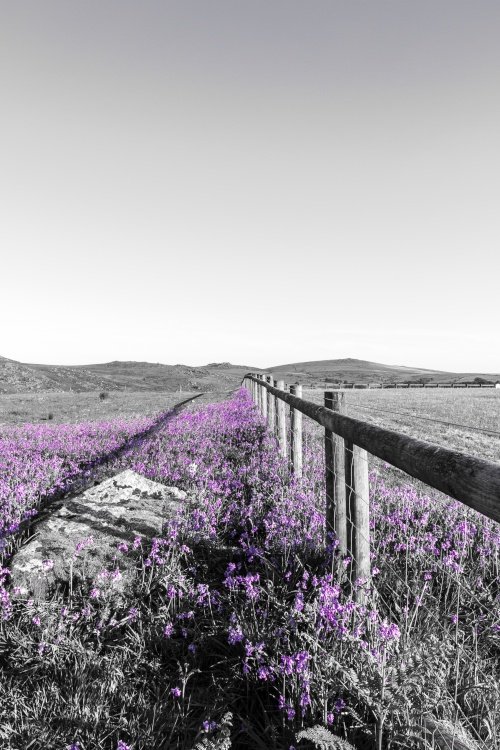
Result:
[{"x": 97, "y": 470}]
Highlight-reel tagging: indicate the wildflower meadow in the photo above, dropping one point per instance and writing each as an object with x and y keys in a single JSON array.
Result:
[
  {"x": 240, "y": 628},
  {"x": 38, "y": 462}
]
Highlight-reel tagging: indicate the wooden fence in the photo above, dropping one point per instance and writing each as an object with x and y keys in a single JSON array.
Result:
[
  {"x": 350, "y": 386},
  {"x": 347, "y": 444}
]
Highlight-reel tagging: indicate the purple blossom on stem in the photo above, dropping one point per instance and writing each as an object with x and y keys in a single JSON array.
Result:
[{"x": 389, "y": 631}]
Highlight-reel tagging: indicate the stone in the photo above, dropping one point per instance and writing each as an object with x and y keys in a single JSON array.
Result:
[{"x": 117, "y": 510}]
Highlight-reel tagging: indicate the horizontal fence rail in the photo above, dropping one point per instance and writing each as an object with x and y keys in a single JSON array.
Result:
[{"x": 473, "y": 481}]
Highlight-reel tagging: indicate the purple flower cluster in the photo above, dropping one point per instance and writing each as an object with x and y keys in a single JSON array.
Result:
[{"x": 42, "y": 460}]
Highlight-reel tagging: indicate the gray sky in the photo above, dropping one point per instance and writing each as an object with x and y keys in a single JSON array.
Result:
[{"x": 262, "y": 182}]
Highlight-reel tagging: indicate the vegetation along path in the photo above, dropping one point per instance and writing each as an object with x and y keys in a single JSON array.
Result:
[
  {"x": 239, "y": 629},
  {"x": 63, "y": 459}
]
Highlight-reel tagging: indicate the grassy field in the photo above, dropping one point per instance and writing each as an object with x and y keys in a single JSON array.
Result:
[
  {"x": 421, "y": 413},
  {"x": 239, "y": 629},
  {"x": 414, "y": 412},
  {"x": 21, "y": 408}
]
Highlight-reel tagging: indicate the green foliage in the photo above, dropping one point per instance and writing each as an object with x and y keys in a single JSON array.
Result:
[
  {"x": 222, "y": 739},
  {"x": 323, "y": 739},
  {"x": 447, "y": 735},
  {"x": 411, "y": 681}
]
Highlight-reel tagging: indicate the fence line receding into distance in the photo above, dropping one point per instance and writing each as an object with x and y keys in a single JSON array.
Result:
[
  {"x": 462, "y": 384},
  {"x": 347, "y": 444}
]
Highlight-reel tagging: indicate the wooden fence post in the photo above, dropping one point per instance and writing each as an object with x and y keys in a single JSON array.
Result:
[
  {"x": 329, "y": 472},
  {"x": 350, "y": 503},
  {"x": 362, "y": 488},
  {"x": 271, "y": 408},
  {"x": 336, "y": 510},
  {"x": 296, "y": 434},
  {"x": 276, "y": 404},
  {"x": 358, "y": 516},
  {"x": 264, "y": 396},
  {"x": 281, "y": 420},
  {"x": 259, "y": 393}
]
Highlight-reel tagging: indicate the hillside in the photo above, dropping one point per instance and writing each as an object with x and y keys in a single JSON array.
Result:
[
  {"x": 16, "y": 377},
  {"x": 19, "y": 377},
  {"x": 361, "y": 371}
]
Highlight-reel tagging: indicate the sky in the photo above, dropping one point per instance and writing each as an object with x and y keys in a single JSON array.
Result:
[{"x": 259, "y": 182}]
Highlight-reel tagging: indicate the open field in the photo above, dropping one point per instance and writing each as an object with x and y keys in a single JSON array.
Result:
[
  {"x": 67, "y": 407},
  {"x": 419, "y": 413},
  {"x": 239, "y": 628}
]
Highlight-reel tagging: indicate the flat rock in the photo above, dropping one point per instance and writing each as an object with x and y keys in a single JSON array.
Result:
[{"x": 118, "y": 510}]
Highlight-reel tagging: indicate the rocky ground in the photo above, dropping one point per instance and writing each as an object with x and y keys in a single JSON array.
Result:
[{"x": 94, "y": 524}]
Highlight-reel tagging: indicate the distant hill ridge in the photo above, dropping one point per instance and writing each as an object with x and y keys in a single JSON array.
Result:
[
  {"x": 19, "y": 377},
  {"x": 351, "y": 370}
]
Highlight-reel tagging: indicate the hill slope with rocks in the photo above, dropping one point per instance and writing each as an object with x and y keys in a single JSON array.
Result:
[{"x": 19, "y": 377}]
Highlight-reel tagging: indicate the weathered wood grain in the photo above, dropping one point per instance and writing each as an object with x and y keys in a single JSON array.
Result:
[
  {"x": 296, "y": 434},
  {"x": 271, "y": 408},
  {"x": 336, "y": 511},
  {"x": 279, "y": 391},
  {"x": 263, "y": 397}
]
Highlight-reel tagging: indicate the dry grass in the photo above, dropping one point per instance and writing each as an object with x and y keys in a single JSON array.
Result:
[
  {"x": 19, "y": 408},
  {"x": 478, "y": 409}
]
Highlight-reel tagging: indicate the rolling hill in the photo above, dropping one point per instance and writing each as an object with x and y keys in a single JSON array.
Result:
[
  {"x": 362, "y": 371},
  {"x": 20, "y": 377}
]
